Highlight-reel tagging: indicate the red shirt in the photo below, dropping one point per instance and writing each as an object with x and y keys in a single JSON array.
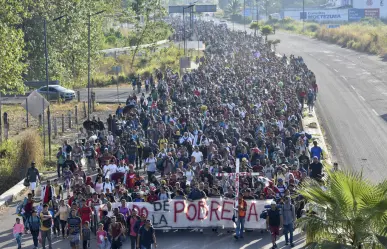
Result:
[
  {"x": 130, "y": 180},
  {"x": 85, "y": 213},
  {"x": 152, "y": 198}
]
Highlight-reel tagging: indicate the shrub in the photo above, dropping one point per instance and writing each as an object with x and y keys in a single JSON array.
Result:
[
  {"x": 16, "y": 156},
  {"x": 312, "y": 27}
]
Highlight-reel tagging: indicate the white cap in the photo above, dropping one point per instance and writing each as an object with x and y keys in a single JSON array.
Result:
[{"x": 273, "y": 203}]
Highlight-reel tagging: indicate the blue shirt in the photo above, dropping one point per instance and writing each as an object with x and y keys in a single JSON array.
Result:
[{"x": 316, "y": 151}]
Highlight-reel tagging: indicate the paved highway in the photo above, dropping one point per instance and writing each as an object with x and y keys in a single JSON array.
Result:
[{"x": 351, "y": 103}]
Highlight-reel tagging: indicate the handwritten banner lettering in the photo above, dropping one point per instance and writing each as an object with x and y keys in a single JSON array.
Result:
[{"x": 181, "y": 214}]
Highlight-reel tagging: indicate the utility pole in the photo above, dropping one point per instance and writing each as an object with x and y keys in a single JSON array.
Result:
[
  {"x": 47, "y": 95},
  {"x": 257, "y": 12},
  {"x": 303, "y": 15},
  {"x": 244, "y": 15},
  {"x": 88, "y": 68},
  {"x": 88, "y": 62},
  {"x": 46, "y": 56},
  {"x": 184, "y": 29}
]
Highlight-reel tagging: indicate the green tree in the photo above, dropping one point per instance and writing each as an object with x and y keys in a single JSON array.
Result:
[
  {"x": 349, "y": 212},
  {"x": 12, "y": 65},
  {"x": 148, "y": 27},
  {"x": 255, "y": 26},
  {"x": 233, "y": 9},
  {"x": 266, "y": 30},
  {"x": 67, "y": 38}
]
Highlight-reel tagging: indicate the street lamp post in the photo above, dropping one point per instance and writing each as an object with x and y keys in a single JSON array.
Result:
[
  {"x": 257, "y": 12},
  {"x": 303, "y": 15},
  {"x": 184, "y": 37},
  {"x": 88, "y": 62},
  {"x": 244, "y": 15},
  {"x": 47, "y": 96}
]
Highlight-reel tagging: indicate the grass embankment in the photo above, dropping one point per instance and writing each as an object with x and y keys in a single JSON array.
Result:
[
  {"x": 143, "y": 66},
  {"x": 368, "y": 35},
  {"x": 16, "y": 155}
]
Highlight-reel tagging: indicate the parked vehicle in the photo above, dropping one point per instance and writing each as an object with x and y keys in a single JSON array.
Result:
[{"x": 56, "y": 91}]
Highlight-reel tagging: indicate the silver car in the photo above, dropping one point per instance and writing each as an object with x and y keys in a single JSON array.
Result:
[{"x": 56, "y": 91}]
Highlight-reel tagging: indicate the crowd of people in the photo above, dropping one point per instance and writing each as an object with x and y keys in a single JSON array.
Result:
[{"x": 243, "y": 103}]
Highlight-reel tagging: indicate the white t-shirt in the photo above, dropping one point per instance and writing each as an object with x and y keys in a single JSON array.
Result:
[
  {"x": 113, "y": 168},
  {"x": 98, "y": 187},
  {"x": 106, "y": 170},
  {"x": 269, "y": 172},
  {"x": 108, "y": 185},
  {"x": 190, "y": 175},
  {"x": 122, "y": 169},
  {"x": 198, "y": 156},
  {"x": 110, "y": 139}
]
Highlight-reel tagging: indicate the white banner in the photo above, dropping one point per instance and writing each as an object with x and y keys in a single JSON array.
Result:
[
  {"x": 180, "y": 214},
  {"x": 323, "y": 15}
]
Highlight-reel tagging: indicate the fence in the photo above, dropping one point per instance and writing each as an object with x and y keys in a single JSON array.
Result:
[{"x": 68, "y": 119}]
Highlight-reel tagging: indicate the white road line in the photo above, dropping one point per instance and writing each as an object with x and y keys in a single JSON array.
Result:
[
  {"x": 336, "y": 70},
  {"x": 345, "y": 78},
  {"x": 375, "y": 112},
  {"x": 353, "y": 87},
  {"x": 361, "y": 97},
  {"x": 327, "y": 65}
]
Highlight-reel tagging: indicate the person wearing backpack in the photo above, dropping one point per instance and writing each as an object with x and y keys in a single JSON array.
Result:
[
  {"x": 34, "y": 226},
  {"x": 45, "y": 228},
  {"x": 289, "y": 217}
]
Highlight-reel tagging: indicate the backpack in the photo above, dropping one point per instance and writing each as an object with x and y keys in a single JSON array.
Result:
[
  {"x": 167, "y": 195},
  {"x": 111, "y": 185},
  {"x": 264, "y": 214},
  {"x": 34, "y": 226}
]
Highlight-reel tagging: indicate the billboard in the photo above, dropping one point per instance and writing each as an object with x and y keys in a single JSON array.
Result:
[
  {"x": 324, "y": 15},
  {"x": 205, "y": 8},
  {"x": 178, "y": 9},
  {"x": 355, "y": 15},
  {"x": 372, "y": 13}
]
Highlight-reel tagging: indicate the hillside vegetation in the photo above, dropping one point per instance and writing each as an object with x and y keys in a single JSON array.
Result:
[{"x": 368, "y": 35}]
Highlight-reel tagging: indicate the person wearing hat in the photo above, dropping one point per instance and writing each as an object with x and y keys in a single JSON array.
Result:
[
  {"x": 274, "y": 221},
  {"x": 289, "y": 218},
  {"x": 32, "y": 177}
]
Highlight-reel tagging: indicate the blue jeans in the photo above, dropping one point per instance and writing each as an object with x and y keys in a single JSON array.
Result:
[
  {"x": 18, "y": 239},
  {"x": 240, "y": 226},
  {"x": 288, "y": 229}
]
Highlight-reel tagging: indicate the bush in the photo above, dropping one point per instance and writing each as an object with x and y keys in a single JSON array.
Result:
[
  {"x": 16, "y": 156},
  {"x": 312, "y": 27}
]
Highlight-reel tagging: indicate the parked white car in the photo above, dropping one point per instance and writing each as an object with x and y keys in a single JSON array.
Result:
[{"x": 56, "y": 91}]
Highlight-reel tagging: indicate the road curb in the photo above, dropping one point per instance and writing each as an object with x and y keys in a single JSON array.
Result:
[
  {"x": 8, "y": 196},
  {"x": 316, "y": 132}
]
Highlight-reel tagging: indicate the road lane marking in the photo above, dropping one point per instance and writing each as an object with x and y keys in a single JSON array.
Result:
[
  {"x": 327, "y": 65},
  {"x": 353, "y": 87},
  {"x": 336, "y": 70},
  {"x": 361, "y": 97},
  {"x": 345, "y": 78},
  {"x": 375, "y": 112}
]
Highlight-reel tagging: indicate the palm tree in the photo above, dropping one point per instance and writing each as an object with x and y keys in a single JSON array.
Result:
[
  {"x": 351, "y": 212},
  {"x": 255, "y": 26},
  {"x": 233, "y": 9}
]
